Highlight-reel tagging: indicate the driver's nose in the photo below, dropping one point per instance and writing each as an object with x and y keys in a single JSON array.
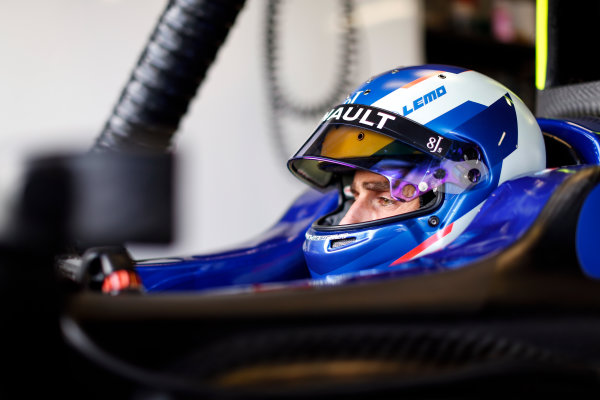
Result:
[{"x": 356, "y": 213}]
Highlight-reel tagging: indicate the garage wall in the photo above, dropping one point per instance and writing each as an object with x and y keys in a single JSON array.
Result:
[{"x": 64, "y": 63}]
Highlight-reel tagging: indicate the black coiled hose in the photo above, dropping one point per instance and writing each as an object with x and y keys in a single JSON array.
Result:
[
  {"x": 169, "y": 71},
  {"x": 280, "y": 101},
  {"x": 571, "y": 85}
]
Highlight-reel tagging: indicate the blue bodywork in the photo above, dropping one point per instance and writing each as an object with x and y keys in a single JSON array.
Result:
[{"x": 276, "y": 258}]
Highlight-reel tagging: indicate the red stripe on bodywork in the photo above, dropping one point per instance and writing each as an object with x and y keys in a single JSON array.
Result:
[
  {"x": 421, "y": 79},
  {"x": 428, "y": 242}
]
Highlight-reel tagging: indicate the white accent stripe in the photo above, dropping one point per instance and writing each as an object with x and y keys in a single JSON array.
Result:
[{"x": 502, "y": 138}]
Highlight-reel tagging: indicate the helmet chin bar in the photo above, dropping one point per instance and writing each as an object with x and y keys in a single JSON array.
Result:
[{"x": 447, "y": 175}]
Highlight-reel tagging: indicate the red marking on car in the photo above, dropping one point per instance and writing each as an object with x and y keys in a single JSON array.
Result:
[{"x": 421, "y": 247}]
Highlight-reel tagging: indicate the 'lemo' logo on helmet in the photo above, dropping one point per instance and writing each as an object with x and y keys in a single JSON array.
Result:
[{"x": 424, "y": 100}]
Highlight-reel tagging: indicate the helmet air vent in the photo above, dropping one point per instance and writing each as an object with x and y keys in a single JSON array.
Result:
[{"x": 337, "y": 243}]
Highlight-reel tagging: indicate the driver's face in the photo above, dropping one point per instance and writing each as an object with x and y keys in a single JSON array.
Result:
[{"x": 372, "y": 200}]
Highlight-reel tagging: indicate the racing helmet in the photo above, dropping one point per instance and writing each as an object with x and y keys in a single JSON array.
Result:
[{"x": 444, "y": 135}]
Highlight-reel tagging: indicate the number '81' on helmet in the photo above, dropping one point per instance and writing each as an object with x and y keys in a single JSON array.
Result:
[{"x": 445, "y": 135}]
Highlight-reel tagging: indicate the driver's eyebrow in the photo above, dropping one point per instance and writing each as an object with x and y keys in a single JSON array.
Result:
[{"x": 376, "y": 186}]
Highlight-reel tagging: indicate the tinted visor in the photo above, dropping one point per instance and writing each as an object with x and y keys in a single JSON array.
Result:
[{"x": 415, "y": 160}]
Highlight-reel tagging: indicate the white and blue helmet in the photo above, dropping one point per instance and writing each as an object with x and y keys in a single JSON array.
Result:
[{"x": 444, "y": 134}]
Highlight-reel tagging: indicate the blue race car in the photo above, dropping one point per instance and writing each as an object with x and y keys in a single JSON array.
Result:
[{"x": 484, "y": 172}]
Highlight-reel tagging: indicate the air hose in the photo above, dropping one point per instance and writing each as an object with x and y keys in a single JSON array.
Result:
[{"x": 172, "y": 66}]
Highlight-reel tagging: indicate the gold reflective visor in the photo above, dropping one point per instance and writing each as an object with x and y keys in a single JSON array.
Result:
[{"x": 349, "y": 142}]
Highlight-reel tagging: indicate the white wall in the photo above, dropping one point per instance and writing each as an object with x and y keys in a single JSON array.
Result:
[{"x": 63, "y": 64}]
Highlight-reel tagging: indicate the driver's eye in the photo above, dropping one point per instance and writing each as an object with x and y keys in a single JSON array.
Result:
[{"x": 385, "y": 201}]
